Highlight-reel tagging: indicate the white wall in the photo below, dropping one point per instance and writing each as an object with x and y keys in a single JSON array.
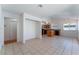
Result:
[
  {"x": 1, "y": 28},
  {"x": 9, "y": 14},
  {"x": 20, "y": 28},
  {"x": 6, "y": 29},
  {"x": 38, "y": 29},
  {"x": 32, "y": 17}
]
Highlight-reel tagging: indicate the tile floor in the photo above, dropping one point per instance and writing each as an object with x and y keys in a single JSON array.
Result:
[{"x": 46, "y": 46}]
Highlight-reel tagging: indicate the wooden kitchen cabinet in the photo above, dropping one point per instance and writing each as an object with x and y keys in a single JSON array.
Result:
[{"x": 50, "y": 33}]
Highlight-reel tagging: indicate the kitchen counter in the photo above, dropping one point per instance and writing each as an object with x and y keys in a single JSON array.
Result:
[{"x": 51, "y": 32}]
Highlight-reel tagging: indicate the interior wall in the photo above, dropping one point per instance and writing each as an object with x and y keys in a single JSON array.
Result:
[
  {"x": 32, "y": 17},
  {"x": 38, "y": 29},
  {"x": 13, "y": 30},
  {"x": 60, "y": 22},
  {"x": 6, "y": 29},
  {"x": 1, "y": 28},
  {"x": 9, "y": 14},
  {"x": 20, "y": 28}
]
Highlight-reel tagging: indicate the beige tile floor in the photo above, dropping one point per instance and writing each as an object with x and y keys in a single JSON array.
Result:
[{"x": 46, "y": 46}]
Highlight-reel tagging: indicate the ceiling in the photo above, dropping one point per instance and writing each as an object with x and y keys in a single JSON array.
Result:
[{"x": 47, "y": 11}]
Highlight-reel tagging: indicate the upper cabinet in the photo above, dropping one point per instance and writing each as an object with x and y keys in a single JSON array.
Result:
[{"x": 46, "y": 26}]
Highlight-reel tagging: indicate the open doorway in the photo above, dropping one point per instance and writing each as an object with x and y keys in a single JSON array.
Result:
[{"x": 10, "y": 30}]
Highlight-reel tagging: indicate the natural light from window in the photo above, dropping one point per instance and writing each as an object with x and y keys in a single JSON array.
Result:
[{"x": 70, "y": 26}]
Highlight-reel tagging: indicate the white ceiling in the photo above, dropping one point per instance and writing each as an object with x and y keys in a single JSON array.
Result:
[{"x": 47, "y": 11}]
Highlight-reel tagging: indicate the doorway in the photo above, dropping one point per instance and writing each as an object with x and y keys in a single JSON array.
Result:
[{"x": 10, "y": 30}]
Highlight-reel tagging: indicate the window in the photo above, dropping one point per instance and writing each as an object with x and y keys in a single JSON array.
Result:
[
  {"x": 73, "y": 26},
  {"x": 66, "y": 26},
  {"x": 70, "y": 26}
]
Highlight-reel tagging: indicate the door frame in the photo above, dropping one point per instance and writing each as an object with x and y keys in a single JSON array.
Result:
[{"x": 13, "y": 40}]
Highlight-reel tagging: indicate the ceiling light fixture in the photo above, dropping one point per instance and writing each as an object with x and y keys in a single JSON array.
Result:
[{"x": 40, "y": 5}]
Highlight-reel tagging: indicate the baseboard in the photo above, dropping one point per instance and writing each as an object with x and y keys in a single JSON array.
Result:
[
  {"x": 10, "y": 41},
  {"x": 31, "y": 39}
]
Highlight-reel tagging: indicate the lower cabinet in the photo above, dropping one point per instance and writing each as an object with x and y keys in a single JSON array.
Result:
[{"x": 50, "y": 33}]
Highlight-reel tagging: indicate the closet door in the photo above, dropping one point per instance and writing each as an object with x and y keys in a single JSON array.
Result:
[
  {"x": 10, "y": 31},
  {"x": 29, "y": 29},
  {"x": 13, "y": 30},
  {"x": 6, "y": 30}
]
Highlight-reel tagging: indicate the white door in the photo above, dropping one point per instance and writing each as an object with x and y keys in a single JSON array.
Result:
[
  {"x": 6, "y": 30},
  {"x": 10, "y": 30},
  {"x": 31, "y": 29},
  {"x": 13, "y": 30}
]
